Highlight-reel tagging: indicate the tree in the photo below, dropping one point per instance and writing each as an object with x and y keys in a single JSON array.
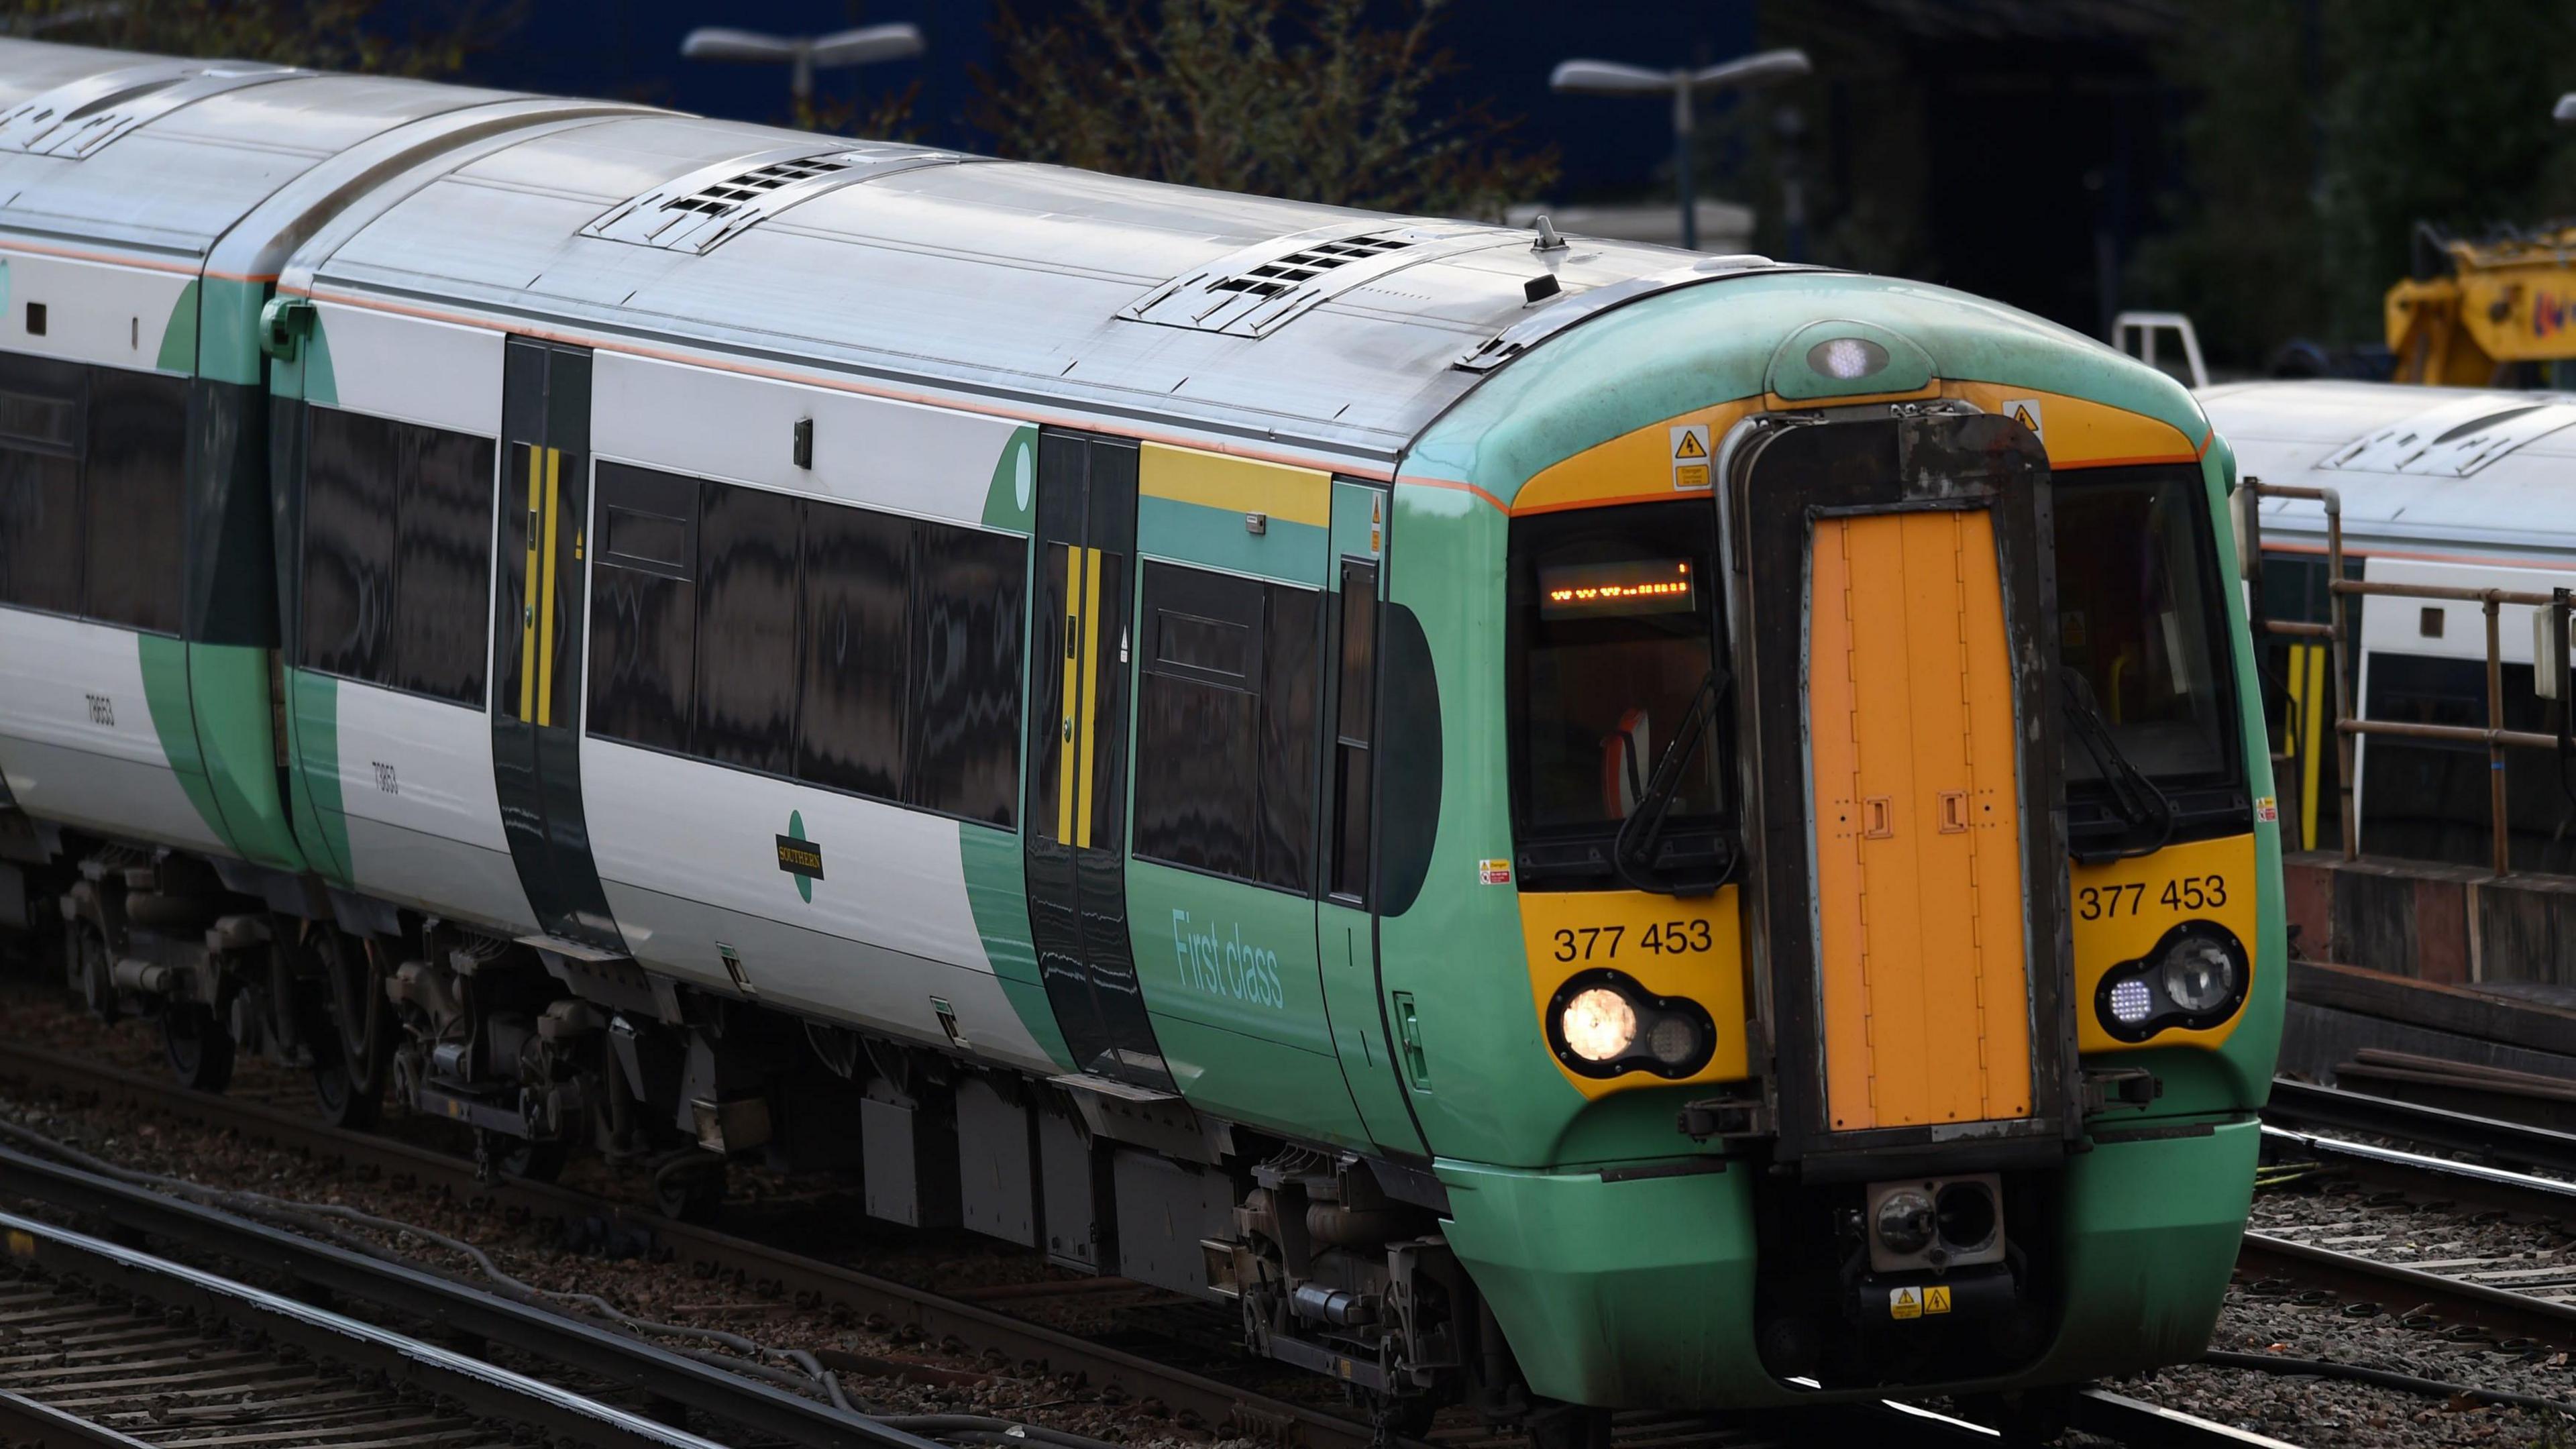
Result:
[
  {"x": 321, "y": 34},
  {"x": 1296, "y": 98}
]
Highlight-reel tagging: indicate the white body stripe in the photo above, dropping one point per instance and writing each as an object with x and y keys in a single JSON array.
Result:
[
  {"x": 424, "y": 816},
  {"x": 76, "y": 735},
  {"x": 94, "y": 312},
  {"x": 688, "y": 853},
  {"x": 926, "y": 461},
  {"x": 436, "y": 373}
]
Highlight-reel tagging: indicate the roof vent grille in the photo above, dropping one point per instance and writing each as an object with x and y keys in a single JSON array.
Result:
[
  {"x": 1255, "y": 291},
  {"x": 700, "y": 211},
  {"x": 77, "y": 118}
]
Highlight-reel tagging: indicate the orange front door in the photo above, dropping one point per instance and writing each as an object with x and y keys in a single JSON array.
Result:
[{"x": 1924, "y": 976}]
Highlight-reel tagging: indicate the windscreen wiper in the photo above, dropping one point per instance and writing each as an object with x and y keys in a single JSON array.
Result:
[
  {"x": 1643, "y": 828},
  {"x": 2134, "y": 794}
]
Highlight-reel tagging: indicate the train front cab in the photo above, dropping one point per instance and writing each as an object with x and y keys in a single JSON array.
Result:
[{"x": 1871, "y": 1065}]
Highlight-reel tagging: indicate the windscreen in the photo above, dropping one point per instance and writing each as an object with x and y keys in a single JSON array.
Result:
[
  {"x": 1612, "y": 640},
  {"x": 2140, "y": 621}
]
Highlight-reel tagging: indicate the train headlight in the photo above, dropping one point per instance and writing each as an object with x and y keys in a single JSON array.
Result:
[
  {"x": 1603, "y": 1023},
  {"x": 1847, "y": 357},
  {"x": 2199, "y": 974},
  {"x": 1599, "y": 1025},
  {"x": 2195, "y": 977}
]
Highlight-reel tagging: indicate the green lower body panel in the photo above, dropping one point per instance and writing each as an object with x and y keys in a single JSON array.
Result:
[
  {"x": 228, "y": 687},
  {"x": 1640, "y": 1293}
]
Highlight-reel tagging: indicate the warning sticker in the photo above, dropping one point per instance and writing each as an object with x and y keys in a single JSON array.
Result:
[
  {"x": 2267, "y": 809},
  {"x": 1904, "y": 1303},
  {"x": 1690, "y": 457},
  {"x": 2025, "y": 411},
  {"x": 1494, "y": 872},
  {"x": 1936, "y": 1299}
]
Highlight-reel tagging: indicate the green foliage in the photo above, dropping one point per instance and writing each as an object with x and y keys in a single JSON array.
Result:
[
  {"x": 2321, "y": 133},
  {"x": 1296, "y": 98},
  {"x": 322, "y": 34}
]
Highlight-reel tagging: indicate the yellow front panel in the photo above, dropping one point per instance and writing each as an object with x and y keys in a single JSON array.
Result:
[
  {"x": 1925, "y": 991},
  {"x": 1671, "y": 946},
  {"x": 2121, "y": 908}
]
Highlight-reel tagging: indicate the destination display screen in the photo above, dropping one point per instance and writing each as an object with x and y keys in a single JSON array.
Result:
[{"x": 1615, "y": 590}]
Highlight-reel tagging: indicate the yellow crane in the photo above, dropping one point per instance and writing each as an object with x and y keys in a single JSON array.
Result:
[{"x": 2504, "y": 301}]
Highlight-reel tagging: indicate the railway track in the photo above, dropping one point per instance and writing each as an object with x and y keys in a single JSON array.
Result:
[
  {"x": 775, "y": 1415},
  {"x": 2462, "y": 1248},
  {"x": 106, "y": 1346}
]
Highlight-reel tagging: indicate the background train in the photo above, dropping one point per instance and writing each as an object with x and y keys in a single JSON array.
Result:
[
  {"x": 2457, "y": 487},
  {"x": 1566, "y": 824}
]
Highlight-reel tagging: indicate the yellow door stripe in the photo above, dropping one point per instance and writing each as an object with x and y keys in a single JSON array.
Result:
[
  {"x": 1090, "y": 694},
  {"x": 1072, "y": 700},
  {"x": 2313, "y": 715},
  {"x": 546, "y": 598},
  {"x": 528, "y": 600}
]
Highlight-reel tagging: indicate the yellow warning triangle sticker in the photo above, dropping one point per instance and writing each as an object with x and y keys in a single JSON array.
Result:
[
  {"x": 1690, "y": 446},
  {"x": 2022, "y": 414}
]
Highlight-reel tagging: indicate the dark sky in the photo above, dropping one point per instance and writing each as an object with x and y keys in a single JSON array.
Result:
[{"x": 630, "y": 49}]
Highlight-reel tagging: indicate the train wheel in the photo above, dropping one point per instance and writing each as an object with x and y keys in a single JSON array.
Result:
[
  {"x": 690, "y": 1187},
  {"x": 200, "y": 1052},
  {"x": 1568, "y": 1426},
  {"x": 90, "y": 971},
  {"x": 352, "y": 1035},
  {"x": 522, "y": 1158}
]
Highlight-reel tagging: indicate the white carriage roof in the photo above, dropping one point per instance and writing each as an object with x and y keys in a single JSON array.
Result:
[
  {"x": 2423, "y": 471},
  {"x": 1315, "y": 328},
  {"x": 165, "y": 155}
]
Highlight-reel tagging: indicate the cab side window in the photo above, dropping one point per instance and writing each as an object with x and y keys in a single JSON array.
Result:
[{"x": 1227, "y": 709}]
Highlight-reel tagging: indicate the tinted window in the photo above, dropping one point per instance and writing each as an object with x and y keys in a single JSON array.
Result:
[
  {"x": 442, "y": 561},
  {"x": 1225, "y": 728},
  {"x": 137, "y": 498},
  {"x": 40, "y": 524},
  {"x": 350, "y": 494},
  {"x": 746, "y": 706},
  {"x": 967, "y": 667},
  {"x": 858, "y": 637},
  {"x": 1291, "y": 697},
  {"x": 644, "y": 607}
]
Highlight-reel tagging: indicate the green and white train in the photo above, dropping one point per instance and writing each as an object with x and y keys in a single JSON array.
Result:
[{"x": 1567, "y": 824}]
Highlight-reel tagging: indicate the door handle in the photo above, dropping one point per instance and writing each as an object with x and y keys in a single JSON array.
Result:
[
  {"x": 1954, "y": 812},
  {"x": 1878, "y": 818},
  {"x": 1408, "y": 1032}
]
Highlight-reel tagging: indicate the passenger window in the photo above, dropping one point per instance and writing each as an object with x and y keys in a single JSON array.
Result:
[
  {"x": 746, "y": 647},
  {"x": 1226, "y": 716},
  {"x": 349, "y": 507},
  {"x": 397, "y": 553},
  {"x": 136, "y": 497},
  {"x": 40, "y": 523},
  {"x": 1355, "y": 715},
  {"x": 442, "y": 562},
  {"x": 858, "y": 635},
  {"x": 644, "y": 608},
  {"x": 966, "y": 662}
]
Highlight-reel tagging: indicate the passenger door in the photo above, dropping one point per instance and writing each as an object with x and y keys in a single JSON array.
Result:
[
  {"x": 1076, "y": 811},
  {"x": 537, "y": 624},
  {"x": 1346, "y": 926}
]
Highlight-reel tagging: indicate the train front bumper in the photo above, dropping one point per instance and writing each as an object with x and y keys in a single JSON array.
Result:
[{"x": 1639, "y": 1292}]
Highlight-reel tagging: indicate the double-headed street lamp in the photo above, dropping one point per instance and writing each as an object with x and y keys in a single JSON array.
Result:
[
  {"x": 804, "y": 53},
  {"x": 1610, "y": 78}
]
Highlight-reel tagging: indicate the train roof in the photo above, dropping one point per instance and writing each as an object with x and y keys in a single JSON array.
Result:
[
  {"x": 2422, "y": 471},
  {"x": 163, "y": 155},
  {"x": 1285, "y": 324}
]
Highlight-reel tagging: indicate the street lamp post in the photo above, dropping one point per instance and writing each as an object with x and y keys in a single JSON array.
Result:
[
  {"x": 1611, "y": 78},
  {"x": 803, "y": 54}
]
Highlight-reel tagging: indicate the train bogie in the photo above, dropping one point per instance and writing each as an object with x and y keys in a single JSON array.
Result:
[{"x": 1606, "y": 843}]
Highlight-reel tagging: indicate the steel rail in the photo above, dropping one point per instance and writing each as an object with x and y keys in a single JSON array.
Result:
[
  {"x": 977, "y": 1329},
  {"x": 25, "y": 1421},
  {"x": 2513, "y": 1315},
  {"x": 484, "y": 1390},
  {"x": 2495, "y": 1187},
  {"x": 2441, "y": 1127},
  {"x": 455, "y": 1307}
]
